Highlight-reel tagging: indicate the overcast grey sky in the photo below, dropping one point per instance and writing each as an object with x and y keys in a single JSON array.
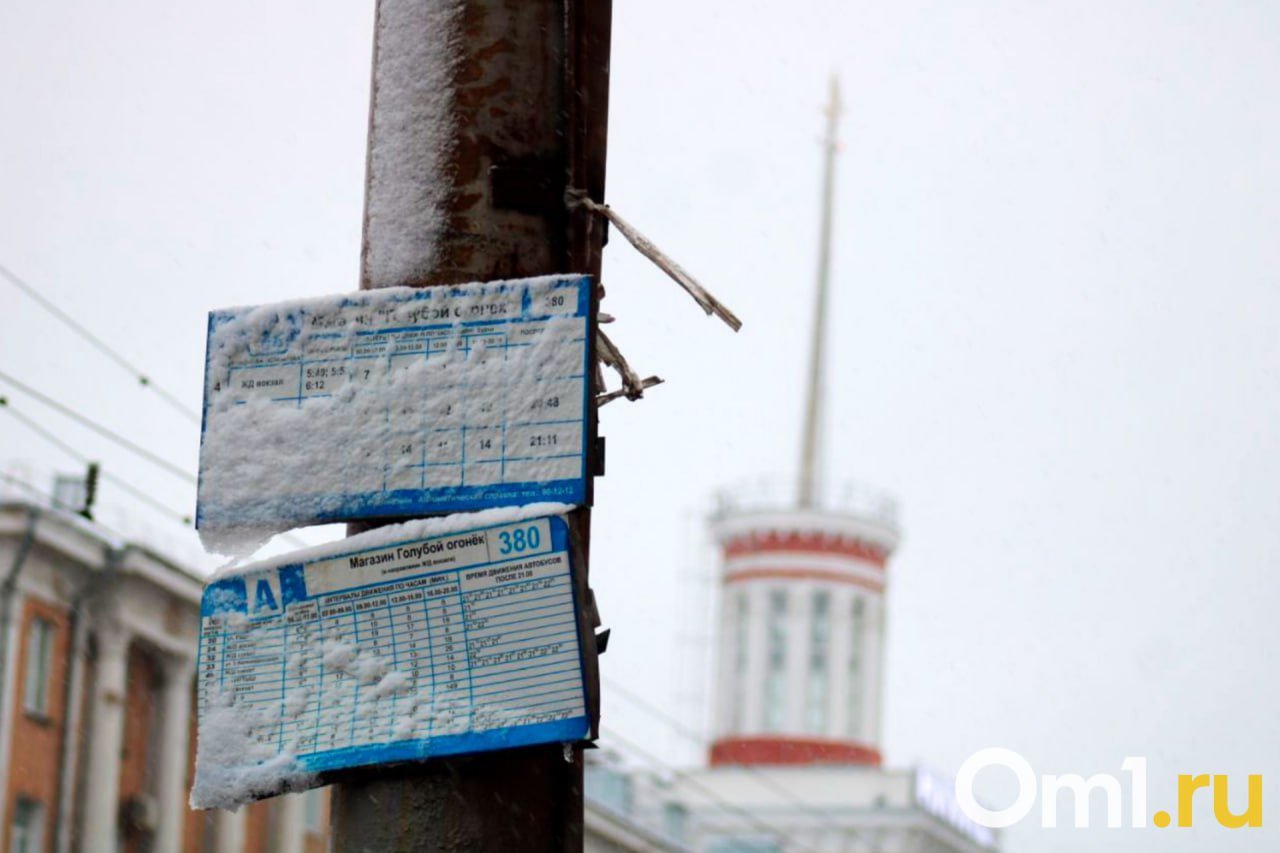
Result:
[{"x": 1054, "y": 324}]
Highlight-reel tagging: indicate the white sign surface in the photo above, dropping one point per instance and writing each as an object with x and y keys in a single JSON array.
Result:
[
  {"x": 397, "y": 402},
  {"x": 458, "y": 643}
]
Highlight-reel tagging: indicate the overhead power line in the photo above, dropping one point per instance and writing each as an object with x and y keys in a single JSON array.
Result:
[
  {"x": 753, "y": 820},
  {"x": 120, "y": 482},
  {"x": 89, "y": 423},
  {"x": 689, "y": 734},
  {"x": 47, "y": 500},
  {"x": 108, "y": 434},
  {"x": 102, "y": 347},
  {"x": 26, "y": 487}
]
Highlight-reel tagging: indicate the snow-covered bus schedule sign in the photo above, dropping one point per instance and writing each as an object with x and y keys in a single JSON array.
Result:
[
  {"x": 395, "y": 402},
  {"x": 386, "y": 649}
]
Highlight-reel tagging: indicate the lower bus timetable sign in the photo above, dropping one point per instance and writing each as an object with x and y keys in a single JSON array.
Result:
[{"x": 458, "y": 643}]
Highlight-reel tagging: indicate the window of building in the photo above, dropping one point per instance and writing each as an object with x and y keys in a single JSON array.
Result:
[
  {"x": 609, "y": 786},
  {"x": 740, "y": 630},
  {"x": 35, "y": 693},
  {"x": 313, "y": 811},
  {"x": 675, "y": 821},
  {"x": 854, "y": 700},
  {"x": 775, "y": 681},
  {"x": 27, "y": 833},
  {"x": 744, "y": 844},
  {"x": 209, "y": 831},
  {"x": 819, "y": 646}
]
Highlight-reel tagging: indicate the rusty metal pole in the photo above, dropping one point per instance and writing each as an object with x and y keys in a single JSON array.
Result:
[{"x": 483, "y": 114}]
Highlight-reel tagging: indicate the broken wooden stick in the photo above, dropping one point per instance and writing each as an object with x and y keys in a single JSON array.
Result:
[
  {"x": 646, "y": 247},
  {"x": 632, "y": 385},
  {"x": 622, "y": 392}
]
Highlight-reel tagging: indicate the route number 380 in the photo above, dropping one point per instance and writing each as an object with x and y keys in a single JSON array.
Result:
[{"x": 519, "y": 540}]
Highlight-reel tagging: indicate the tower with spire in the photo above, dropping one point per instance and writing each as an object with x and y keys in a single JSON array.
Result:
[
  {"x": 795, "y": 755},
  {"x": 801, "y": 630}
]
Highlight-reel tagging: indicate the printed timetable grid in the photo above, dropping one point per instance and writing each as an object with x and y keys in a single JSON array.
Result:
[
  {"x": 478, "y": 655},
  {"x": 486, "y": 427}
]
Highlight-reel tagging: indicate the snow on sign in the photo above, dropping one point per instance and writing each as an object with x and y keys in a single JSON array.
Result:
[
  {"x": 388, "y": 646},
  {"x": 394, "y": 402}
]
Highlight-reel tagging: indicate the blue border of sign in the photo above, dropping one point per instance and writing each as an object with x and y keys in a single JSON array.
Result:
[
  {"x": 230, "y": 595},
  {"x": 405, "y": 503}
]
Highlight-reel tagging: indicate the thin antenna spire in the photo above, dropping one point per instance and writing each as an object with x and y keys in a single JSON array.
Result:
[{"x": 810, "y": 465}]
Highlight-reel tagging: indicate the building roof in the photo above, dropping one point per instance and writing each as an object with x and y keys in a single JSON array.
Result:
[{"x": 89, "y": 544}]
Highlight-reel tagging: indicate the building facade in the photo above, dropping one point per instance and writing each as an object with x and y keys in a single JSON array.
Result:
[
  {"x": 97, "y": 731},
  {"x": 795, "y": 759},
  {"x": 98, "y": 639}
]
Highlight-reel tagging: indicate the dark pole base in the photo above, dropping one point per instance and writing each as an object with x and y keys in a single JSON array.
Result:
[{"x": 526, "y": 799}]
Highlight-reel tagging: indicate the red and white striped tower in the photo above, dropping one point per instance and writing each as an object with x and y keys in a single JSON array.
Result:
[{"x": 801, "y": 633}]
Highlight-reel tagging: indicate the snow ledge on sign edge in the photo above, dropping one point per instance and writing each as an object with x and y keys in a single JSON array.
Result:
[{"x": 420, "y": 528}]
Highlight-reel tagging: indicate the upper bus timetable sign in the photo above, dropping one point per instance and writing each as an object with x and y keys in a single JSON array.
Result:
[{"x": 395, "y": 402}]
